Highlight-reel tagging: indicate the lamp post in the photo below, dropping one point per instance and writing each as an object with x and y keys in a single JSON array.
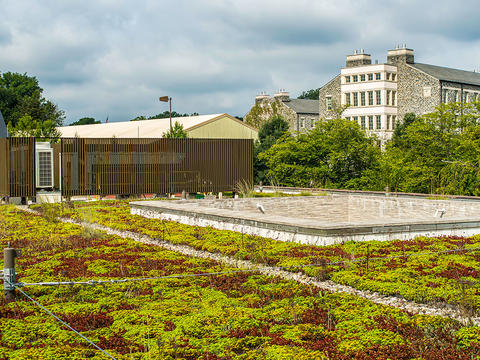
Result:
[{"x": 168, "y": 99}]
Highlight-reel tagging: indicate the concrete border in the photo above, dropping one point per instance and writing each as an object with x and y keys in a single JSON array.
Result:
[{"x": 304, "y": 232}]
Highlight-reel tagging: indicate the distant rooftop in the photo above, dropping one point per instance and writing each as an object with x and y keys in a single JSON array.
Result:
[
  {"x": 449, "y": 74},
  {"x": 303, "y": 106},
  {"x": 153, "y": 128}
]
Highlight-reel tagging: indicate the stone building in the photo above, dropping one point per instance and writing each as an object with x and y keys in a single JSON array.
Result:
[
  {"x": 301, "y": 114},
  {"x": 377, "y": 96}
]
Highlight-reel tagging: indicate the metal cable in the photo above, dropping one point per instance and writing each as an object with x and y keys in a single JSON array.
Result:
[
  {"x": 113, "y": 281},
  {"x": 63, "y": 322},
  {"x": 380, "y": 258}
]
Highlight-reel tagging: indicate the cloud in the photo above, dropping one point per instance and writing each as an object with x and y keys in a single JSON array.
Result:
[{"x": 115, "y": 57}]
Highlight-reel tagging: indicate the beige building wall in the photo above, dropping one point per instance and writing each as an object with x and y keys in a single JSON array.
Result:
[{"x": 224, "y": 127}]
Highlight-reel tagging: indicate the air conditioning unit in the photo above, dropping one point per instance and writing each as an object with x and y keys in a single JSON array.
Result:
[{"x": 44, "y": 165}]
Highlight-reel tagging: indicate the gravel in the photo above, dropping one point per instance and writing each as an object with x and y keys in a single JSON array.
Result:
[{"x": 443, "y": 310}]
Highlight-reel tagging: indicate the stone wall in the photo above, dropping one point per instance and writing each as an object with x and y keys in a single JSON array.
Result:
[
  {"x": 268, "y": 108},
  {"x": 456, "y": 88},
  {"x": 333, "y": 89},
  {"x": 417, "y": 92}
]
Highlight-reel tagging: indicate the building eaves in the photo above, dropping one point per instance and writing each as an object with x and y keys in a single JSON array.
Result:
[{"x": 449, "y": 74}]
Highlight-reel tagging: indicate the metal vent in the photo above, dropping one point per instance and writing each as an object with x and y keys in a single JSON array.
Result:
[{"x": 44, "y": 175}]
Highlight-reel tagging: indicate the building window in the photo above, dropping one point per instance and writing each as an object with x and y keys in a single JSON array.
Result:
[
  {"x": 455, "y": 95},
  {"x": 362, "y": 98},
  {"x": 465, "y": 97},
  {"x": 378, "y": 118},
  {"x": 388, "y": 76},
  {"x": 394, "y": 77},
  {"x": 347, "y": 98},
  {"x": 388, "y": 122},
  {"x": 370, "y": 98},
  {"x": 378, "y": 97},
  {"x": 302, "y": 123},
  {"x": 378, "y": 76},
  {"x": 355, "y": 118},
  {"x": 444, "y": 96},
  {"x": 362, "y": 119},
  {"x": 394, "y": 121},
  {"x": 355, "y": 99},
  {"x": 370, "y": 77},
  {"x": 347, "y": 79},
  {"x": 355, "y": 78},
  {"x": 347, "y": 118},
  {"x": 329, "y": 102},
  {"x": 362, "y": 77},
  {"x": 388, "y": 97},
  {"x": 370, "y": 122},
  {"x": 394, "y": 98}
]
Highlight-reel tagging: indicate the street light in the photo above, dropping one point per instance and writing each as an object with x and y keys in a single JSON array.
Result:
[{"x": 168, "y": 99}]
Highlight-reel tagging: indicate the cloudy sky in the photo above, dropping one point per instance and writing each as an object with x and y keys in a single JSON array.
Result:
[{"x": 116, "y": 57}]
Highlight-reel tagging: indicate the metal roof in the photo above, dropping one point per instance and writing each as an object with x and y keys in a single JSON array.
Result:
[
  {"x": 303, "y": 106},
  {"x": 449, "y": 74},
  {"x": 153, "y": 128},
  {"x": 3, "y": 127}
]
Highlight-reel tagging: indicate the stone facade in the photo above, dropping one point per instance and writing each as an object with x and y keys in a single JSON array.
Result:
[
  {"x": 332, "y": 90},
  {"x": 417, "y": 92},
  {"x": 378, "y": 96},
  {"x": 299, "y": 113}
]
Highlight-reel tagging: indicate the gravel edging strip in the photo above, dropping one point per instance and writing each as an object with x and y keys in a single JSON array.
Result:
[{"x": 446, "y": 311}]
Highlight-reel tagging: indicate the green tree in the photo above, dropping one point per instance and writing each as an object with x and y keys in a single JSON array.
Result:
[
  {"x": 401, "y": 127},
  {"x": 21, "y": 98},
  {"x": 85, "y": 121},
  {"x": 27, "y": 126},
  {"x": 176, "y": 132},
  {"x": 268, "y": 134},
  {"x": 164, "y": 115},
  {"x": 336, "y": 153},
  {"x": 310, "y": 94},
  {"x": 437, "y": 153}
]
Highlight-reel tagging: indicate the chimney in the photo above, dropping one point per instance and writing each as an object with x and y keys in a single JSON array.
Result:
[
  {"x": 260, "y": 97},
  {"x": 400, "y": 55},
  {"x": 358, "y": 58},
  {"x": 282, "y": 95}
]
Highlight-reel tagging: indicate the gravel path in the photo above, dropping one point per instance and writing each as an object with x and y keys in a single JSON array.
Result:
[{"x": 444, "y": 310}]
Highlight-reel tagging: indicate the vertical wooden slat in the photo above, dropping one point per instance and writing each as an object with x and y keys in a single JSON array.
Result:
[{"x": 137, "y": 166}]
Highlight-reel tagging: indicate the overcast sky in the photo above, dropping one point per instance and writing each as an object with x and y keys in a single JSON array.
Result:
[{"x": 112, "y": 57}]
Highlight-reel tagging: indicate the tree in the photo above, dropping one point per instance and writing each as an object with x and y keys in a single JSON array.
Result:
[
  {"x": 176, "y": 132},
  {"x": 164, "y": 115},
  {"x": 336, "y": 153},
  {"x": 21, "y": 99},
  {"x": 310, "y": 94},
  {"x": 401, "y": 127},
  {"x": 27, "y": 126},
  {"x": 268, "y": 134},
  {"x": 85, "y": 121},
  {"x": 437, "y": 153}
]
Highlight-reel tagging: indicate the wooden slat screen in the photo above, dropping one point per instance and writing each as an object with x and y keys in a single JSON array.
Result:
[
  {"x": 22, "y": 166},
  {"x": 139, "y": 166},
  {"x": 4, "y": 168}
]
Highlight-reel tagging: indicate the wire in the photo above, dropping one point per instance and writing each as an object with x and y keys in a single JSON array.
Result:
[
  {"x": 113, "y": 281},
  {"x": 63, "y": 322},
  {"x": 381, "y": 258}
]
